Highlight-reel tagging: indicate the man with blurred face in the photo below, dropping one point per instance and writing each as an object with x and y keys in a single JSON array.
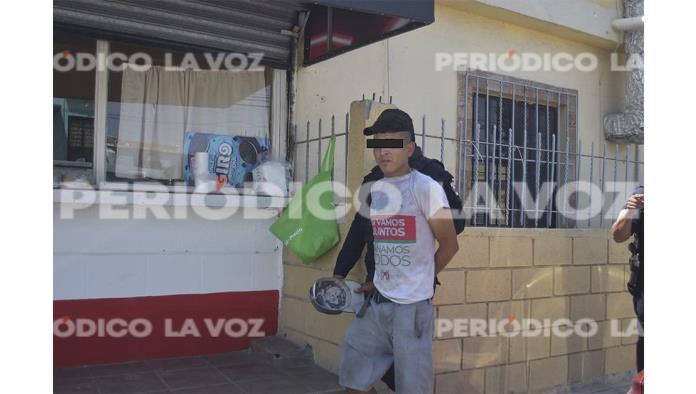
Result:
[
  {"x": 394, "y": 161},
  {"x": 408, "y": 212}
]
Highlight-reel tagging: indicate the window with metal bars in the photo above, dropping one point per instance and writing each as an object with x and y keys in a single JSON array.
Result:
[{"x": 515, "y": 131}]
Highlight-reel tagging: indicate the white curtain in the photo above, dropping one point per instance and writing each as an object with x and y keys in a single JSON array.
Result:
[{"x": 159, "y": 106}]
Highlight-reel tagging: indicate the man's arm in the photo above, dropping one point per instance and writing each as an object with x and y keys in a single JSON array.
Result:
[
  {"x": 352, "y": 247},
  {"x": 622, "y": 229},
  {"x": 442, "y": 227},
  {"x": 360, "y": 234},
  {"x": 347, "y": 259}
]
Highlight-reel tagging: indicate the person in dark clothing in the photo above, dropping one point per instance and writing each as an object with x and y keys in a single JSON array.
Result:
[
  {"x": 630, "y": 223},
  {"x": 360, "y": 232}
]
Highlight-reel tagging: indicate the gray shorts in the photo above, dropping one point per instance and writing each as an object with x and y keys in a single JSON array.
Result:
[{"x": 390, "y": 333}]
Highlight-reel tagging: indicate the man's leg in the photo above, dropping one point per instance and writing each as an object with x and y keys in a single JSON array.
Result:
[
  {"x": 413, "y": 348},
  {"x": 365, "y": 351}
]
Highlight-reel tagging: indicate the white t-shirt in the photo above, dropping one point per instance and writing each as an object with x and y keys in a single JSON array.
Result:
[{"x": 404, "y": 242}]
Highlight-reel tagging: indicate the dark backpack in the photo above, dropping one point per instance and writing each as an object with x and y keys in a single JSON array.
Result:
[{"x": 436, "y": 170}]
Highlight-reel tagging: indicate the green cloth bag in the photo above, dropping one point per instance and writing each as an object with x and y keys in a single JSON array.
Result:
[{"x": 307, "y": 235}]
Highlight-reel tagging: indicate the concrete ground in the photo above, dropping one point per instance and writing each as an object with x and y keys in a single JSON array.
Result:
[{"x": 272, "y": 365}]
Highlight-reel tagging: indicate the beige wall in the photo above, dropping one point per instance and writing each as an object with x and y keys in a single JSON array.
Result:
[
  {"x": 527, "y": 273},
  {"x": 555, "y": 273},
  {"x": 498, "y": 273},
  {"x": 404, "y": 67},
  {"x": 579, "y": 20}
]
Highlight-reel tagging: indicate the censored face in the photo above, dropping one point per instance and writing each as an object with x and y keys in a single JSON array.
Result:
[{"x": 394, "y": 161}]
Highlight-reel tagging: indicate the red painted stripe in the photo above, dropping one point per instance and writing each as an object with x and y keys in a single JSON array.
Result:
[{"x": 99, "y": 348}]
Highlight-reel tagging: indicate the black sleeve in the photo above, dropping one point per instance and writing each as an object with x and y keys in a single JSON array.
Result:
[
  {"x": 352, "y": 247},
  {"x": 359, "y": 234},
  {"x": 370, "y": 262},
  {"x": 370, "y": 240}
]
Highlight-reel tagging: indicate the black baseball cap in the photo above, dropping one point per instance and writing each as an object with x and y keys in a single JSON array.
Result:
[{"x": 390, "y": 121}]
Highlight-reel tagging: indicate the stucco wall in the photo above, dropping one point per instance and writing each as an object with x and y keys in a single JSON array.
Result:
[
  {"x": 403, "y": 67},
  {"x": 497, "y": 273}
]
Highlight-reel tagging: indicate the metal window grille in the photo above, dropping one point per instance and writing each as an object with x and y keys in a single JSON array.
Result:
[{"x": 509, "y": 133}]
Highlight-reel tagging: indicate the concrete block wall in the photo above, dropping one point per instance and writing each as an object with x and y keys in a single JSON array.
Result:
[
  {"x": 534, "y": 274},
  {"x": 501, "y": 274}
]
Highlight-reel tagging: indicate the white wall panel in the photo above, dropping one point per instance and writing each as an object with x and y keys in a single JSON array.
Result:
[{"x": 107, "y": 258}]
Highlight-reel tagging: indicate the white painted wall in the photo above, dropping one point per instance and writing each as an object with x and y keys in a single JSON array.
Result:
[{"x": 105, "y": 258}]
